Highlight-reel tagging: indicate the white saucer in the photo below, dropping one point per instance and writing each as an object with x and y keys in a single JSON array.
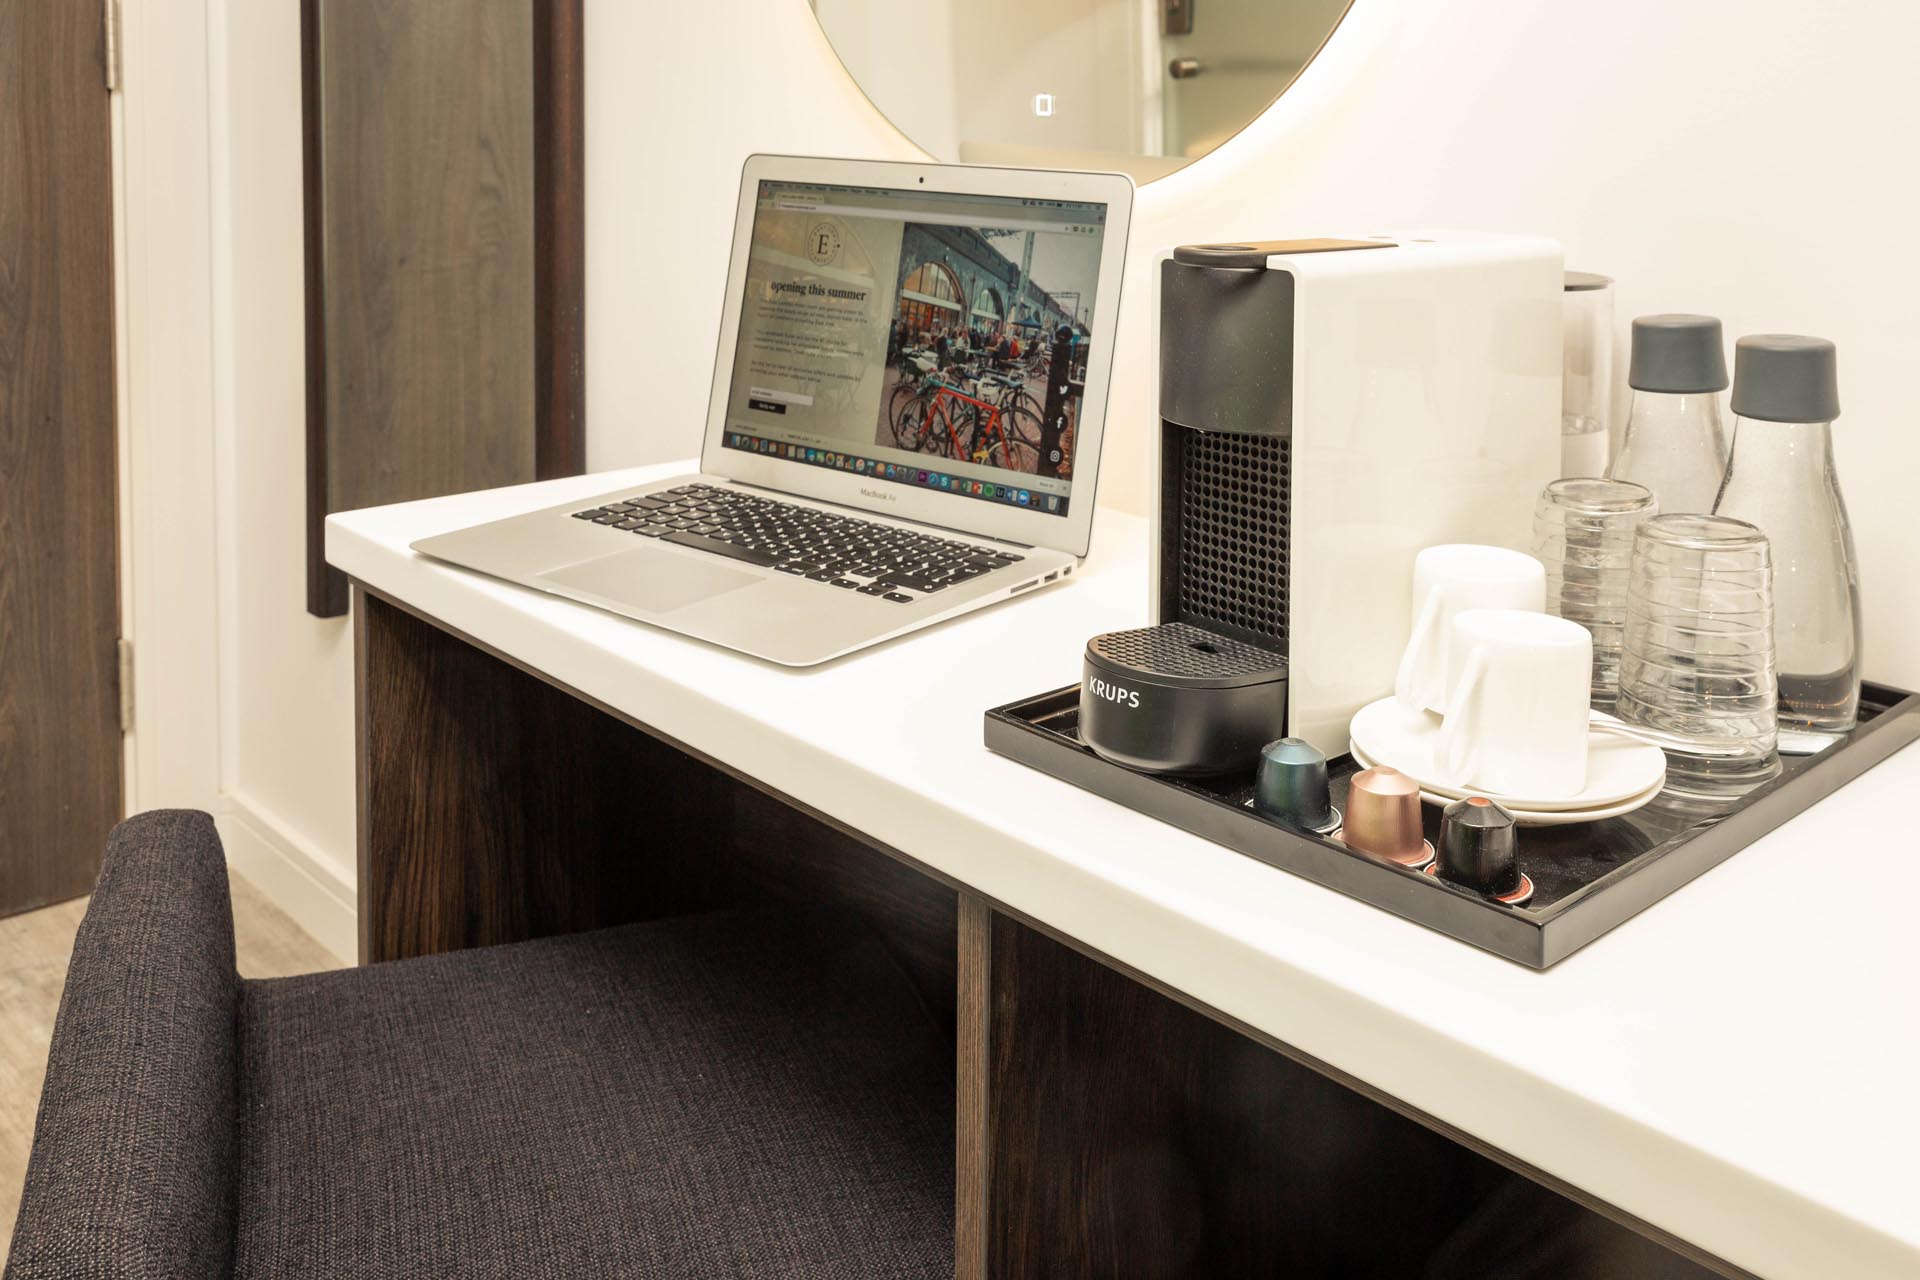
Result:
[
  {"x": 1541, "y": 817},
  {"x": 1619, "y": 769}
]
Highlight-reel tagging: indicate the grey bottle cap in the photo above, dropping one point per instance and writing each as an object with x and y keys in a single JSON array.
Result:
[
  {"x": 1584, "y": 281},
  {"x": 1678, "y": 354},
  {"x": 1783, "y": 377}
]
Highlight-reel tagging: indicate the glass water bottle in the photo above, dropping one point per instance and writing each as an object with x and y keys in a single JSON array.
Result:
[
  {"x": 1675, "y": 443},
  {"x": 1781, "y": 478}
]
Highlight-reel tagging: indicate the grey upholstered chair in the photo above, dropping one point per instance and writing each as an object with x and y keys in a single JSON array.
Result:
[{"x": 746, "y": 1093}]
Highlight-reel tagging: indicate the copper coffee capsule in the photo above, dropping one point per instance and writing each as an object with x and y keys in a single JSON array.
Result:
[{"x": 1383, "y": 817}]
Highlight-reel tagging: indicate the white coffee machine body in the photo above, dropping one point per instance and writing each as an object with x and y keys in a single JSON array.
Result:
[{"x": 1330, "y": 407}]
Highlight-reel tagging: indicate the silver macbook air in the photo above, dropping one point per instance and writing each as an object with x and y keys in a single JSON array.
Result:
[{"x": 905, "y": 420}]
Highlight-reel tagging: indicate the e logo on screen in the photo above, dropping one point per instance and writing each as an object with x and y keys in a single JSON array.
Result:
[{"x": 823, "y": 243}]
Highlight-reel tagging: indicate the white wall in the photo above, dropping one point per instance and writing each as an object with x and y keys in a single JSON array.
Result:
[
  {"x": 243, "y": 701},
  {"x": 1747, "y": 158},
  {"x": 240, "y": 701},
  {"x": 888, "y": 47},
  {"x": 678, "y": 96},
  {"x": 286, "y": 677}
]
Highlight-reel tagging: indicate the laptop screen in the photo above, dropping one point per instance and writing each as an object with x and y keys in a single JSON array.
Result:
[{"x": 929, "y": 339}]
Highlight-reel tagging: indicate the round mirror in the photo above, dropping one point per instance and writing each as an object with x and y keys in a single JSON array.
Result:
[{"x": 1142, "y": 86}]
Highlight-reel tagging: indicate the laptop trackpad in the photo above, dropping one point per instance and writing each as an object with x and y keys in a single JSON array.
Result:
[{"x": 655, "y": 581}]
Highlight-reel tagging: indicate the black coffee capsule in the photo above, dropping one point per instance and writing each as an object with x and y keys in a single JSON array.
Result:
[{"x": 1478, "y": 849}]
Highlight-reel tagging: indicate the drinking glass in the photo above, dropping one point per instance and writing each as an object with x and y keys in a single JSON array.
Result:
[
  {"x": 1583, "y": 533},
  {"x": 1586, "y": 378},
  {"x": 1697, "y": 672}
]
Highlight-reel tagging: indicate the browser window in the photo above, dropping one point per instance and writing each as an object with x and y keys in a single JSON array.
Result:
[{"x": 937, "y": 340}]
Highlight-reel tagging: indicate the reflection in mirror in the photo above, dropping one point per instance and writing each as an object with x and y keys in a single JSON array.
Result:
[{"x": 1143, "y": 86}]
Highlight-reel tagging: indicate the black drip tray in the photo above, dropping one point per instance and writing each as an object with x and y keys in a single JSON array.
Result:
[{"x": 1587, "y": 877}]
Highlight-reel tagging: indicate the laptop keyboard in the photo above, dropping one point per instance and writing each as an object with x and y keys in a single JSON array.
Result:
[{"x": 901, "y": 565}]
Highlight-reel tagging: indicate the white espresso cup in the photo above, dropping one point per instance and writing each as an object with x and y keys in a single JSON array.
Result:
[
  {"x": 1518, "y": 692},
  {"x": 1447, "y": 581}
]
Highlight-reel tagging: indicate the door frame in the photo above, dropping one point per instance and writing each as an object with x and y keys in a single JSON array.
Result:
[{"x": 164, "y": 356}]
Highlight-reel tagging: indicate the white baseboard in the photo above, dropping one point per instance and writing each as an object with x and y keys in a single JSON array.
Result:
[{"x": 301, "y": 882}]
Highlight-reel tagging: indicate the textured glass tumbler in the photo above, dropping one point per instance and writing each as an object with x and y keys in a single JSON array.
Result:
[
  {"x": 1697, "y": 672},
  {"x": 1583, "y": 533}
]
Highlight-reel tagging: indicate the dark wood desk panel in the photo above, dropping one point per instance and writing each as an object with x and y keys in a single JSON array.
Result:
[{"x": 495, "y": 806}]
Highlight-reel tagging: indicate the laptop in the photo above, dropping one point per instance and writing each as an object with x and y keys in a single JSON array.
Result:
[{"x": 905, "y": 422}]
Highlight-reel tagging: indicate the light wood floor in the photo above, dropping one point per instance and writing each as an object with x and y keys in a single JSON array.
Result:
[{"x": 34, "y": 949}]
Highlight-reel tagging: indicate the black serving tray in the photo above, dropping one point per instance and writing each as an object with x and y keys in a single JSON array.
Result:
[{"x": 1587, "y": 877}]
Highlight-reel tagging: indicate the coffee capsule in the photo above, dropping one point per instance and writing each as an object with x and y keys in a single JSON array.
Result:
[
  {"x": 1478, "y": 848},
  {"x": 1383, "y": 817},
  {"x": 1292, "y": 786}
]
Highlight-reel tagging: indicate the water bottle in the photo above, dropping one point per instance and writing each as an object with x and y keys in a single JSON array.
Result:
[
  {"x": 1675, "y": 444},
  {"x": 1781, "y": 477}
]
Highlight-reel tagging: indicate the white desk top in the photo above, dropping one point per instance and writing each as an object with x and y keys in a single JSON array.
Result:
[{"x": 1737, "y": 1064}]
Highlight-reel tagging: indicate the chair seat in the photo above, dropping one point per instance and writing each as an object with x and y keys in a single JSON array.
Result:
[{"x": 738, "y": 1094}]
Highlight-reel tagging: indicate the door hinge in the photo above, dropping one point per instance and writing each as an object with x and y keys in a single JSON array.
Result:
[
  {"x": 123, "y": 650},
  {"x": 110, "y": 43}
]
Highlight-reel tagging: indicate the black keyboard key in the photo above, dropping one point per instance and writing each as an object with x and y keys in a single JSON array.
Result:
[
  {"x": 842, "y": 582},
  {"x": 681, "y": 538},
  {"x": 897, "y": 598},
  {"x": 821, "y": 575},
  {"x": 873, "y": 589},
  {"x": 587, "y": 515},
  {"x": 629, "y": 524},
  {"x": 611, "y": 517}
]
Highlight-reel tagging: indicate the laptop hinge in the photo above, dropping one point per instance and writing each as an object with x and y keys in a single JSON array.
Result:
[{"x": 924, "y": 524}]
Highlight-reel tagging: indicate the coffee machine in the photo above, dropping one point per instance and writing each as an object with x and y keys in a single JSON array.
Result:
[{"x": 1327, "y": 408}]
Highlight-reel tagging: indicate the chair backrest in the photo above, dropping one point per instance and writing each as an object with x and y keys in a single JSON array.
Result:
[{"x": 132, "y": 1170}]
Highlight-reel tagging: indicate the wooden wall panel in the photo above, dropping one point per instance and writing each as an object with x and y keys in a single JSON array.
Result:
[
  {"x": 445, "y": 267},
  {"x": 560, "y": 238},
  {"x": 60, "y": 740}
]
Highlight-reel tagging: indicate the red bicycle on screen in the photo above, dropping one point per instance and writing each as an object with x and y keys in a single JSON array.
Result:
[{"x": 941, "y": 419}]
